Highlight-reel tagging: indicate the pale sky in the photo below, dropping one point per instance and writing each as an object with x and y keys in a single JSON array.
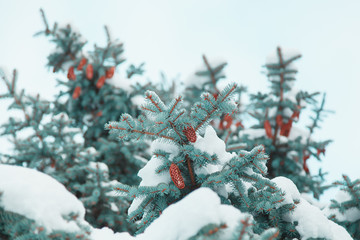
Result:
[{"x": 171, "y": 36}]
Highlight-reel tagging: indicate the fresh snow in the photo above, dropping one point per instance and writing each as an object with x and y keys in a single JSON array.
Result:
[
  {"x": 351, "y": 214},
  {"x": 312, "y": 222},
  {"x": 198, "y": 81},
  {"x": 38, "y": 196},
  {"x": 287, "y": 53},
  {"x": 252, "y": 133},
  {"x": 122, "y": 83},
  {"x": 138, "y": 100},
  {"x": 99, "y": 165},
  {"x": 295, "y": 132},
  {"x": 106, "y": 233},
  {"x": 185, "y": 218},
  {"x": 212, "y": 144},
  {"x": 148, "y": 174},
  {"x": 41, "y": 198}
]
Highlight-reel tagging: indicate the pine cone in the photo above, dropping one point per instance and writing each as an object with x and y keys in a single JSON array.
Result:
[
  {"x": 100, "y": 82},
  {"x": 89, "y": 72},
  {"x": 76, "y": 93},
  {"x": 176, "y": 177},
  {"x": 110, "y": 72},
  {"x": 190, "y": 134},
  {"x": 81, "y": 64},
  {"x": 71, "y": 74},
  {"x": 285, "y": 128},
  {"x": 267, "y": 127},
  {"x": 279, "y": 120}
]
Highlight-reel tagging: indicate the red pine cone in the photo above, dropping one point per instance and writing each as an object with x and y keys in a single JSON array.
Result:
[
  {"x": 99, "y": 114},
  {"x": 176, "y": 177},
  {"x": 100, "y": 82},
  {"x": 305, "y": 167},
  {"x": 267, "y": 127},
  {"x": 295, "y": 114},
  {"x": 216, "y": 96},
  {"x": 239, "y": 124},
  {"x": 279, "y": 120},
  {"x": 89, "y": 72},
  {"x": 71, "y": 74},
  {"x": 82, "y": 63},
  {"x": 285, "y": 128},
  {"x": 320, "y": 150},
  {"x": 110, "y": 72},
  {"x": 228, "y": 119},
  {"x": 52, "y": 163},
  {"x": 76, "y": 93},
  {"x": 190, "y": 134}
]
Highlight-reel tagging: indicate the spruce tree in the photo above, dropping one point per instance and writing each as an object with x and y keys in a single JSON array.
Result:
[
  {"x": 276, "y": 114},
  {"x": 182, "y": 162},
  {"x": 345, "y": 208},
  {"x": 91, "y": 100},
  {"x": 210, "y": 77},
  {"x": 199, "y": 144},
  {"x": 43, "y": 139},
  {"x": 16, "y": 226},
  {"x": 91, "y": 167}
]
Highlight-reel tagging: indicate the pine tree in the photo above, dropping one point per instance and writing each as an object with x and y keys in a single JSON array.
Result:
[
  {"x": 345, "y": 210},
  {"x": 91, "y": 100},
  {"x": 14, "y": 226},
  {"x": 183, "y": 162},
  {"x": 211, "y": 78},
  {"x": 276, "y": 114},
  {"x": 43, "y": 140}
]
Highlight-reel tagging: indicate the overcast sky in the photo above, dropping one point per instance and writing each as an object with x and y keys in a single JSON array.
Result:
[{"x": 171, "y": 36}]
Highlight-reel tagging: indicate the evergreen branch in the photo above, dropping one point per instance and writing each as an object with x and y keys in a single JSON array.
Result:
[
  {"x": 108, "y": 36},
  {"x": 109, "y": 126},
  {"x": 178, "y": 99},
  {"x": 47, "y": 30},
  {"x": 223, "y": 96},
  {"x": 212, "y": 74},
  {"x": 191, "y": 171},
  {"x": 149, "y": 96},
  {"x": 318, "y": 111},
  {"x": 244, "y": 225}
]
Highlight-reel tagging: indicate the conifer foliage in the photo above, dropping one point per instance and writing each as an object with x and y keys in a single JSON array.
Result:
[
  {"x": 44, "y": 140},
  {"x": 90, "y": 99},
  {"x": 346, "y": 210},
  {"x": 210, "y": 78},
  {"x": 197, "y": 145},
  {"x": 276, "y": 114},
  {"x": 180, "y": 165}
]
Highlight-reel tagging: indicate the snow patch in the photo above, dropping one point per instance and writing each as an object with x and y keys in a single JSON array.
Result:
[
  {"x": 185, "y": 218},
  {"x": 138, "y": 100},
  {"x": 106, "y": 233},
  {"x": 149, "y": 176},
  {"x": 253, "y": 133},
  {"x": 197, "y": 81},
  {"x": 312, "y": 222},
  {"x": 287, "y": 53},
  {"x": 122, "y": 83},
  {"x": 351, "y": 215},
  {"x": 212, "y": 144},
  {"x": 38, "y": 196}
]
